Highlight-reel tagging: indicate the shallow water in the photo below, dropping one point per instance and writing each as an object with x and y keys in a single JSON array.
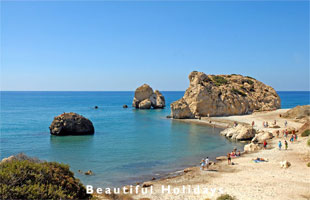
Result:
[{"x": 128, "y": 146}]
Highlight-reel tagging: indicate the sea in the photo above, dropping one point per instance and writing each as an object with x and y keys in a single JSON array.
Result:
[{"x": 128, "y": 146}]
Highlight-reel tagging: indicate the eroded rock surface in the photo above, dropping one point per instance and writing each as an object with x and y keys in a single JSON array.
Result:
[
  {"x": 219, "y": 95},
  {"x": 145, "y": 98},
  {"x": 239, "y": 132},
  {"x": 71, "y": 124}
]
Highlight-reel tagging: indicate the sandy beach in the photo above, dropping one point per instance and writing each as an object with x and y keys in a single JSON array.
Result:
[{"x": 246, "y": 179}]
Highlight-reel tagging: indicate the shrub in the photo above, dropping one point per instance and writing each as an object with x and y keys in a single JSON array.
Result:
[
  {"x": 235, "y": 91},
  {"x": 248, "y": 81},
  {"x": 250, "y": 77},
  {"x": 225, "y": 197},
  {"x": 219, "y": 80},
  {"x": 308, "y": 164},
  {"x": 305, "y": 133},
  {"x": 308, "y": 142},
  {"x": 30, "y": 179}
]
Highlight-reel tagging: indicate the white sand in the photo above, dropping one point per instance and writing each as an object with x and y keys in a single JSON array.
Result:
[{"x": 248, "y": 180}]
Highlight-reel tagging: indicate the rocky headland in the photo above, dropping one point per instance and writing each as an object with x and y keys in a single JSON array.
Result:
[
  {"x": 71, "y": 124},
  {"x": 222, "y": 95},
  {"x": 146, "y": 98}
]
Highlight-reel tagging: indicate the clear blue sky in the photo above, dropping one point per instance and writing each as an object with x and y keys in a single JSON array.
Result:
[{"x": 100, "y": 45}]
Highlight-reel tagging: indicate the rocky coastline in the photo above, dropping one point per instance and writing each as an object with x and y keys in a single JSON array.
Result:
[
  {"x": 250, "y": 150},
  {"x": 223, "y": 95}
]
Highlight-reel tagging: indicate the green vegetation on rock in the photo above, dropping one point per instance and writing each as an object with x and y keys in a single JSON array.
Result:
[
  {"x": 305, "y": 133},
  {"x": 34, "y": 179},
  {"x": 250, "y": 77},
  {"x": 235, "y": 91},
  {"x": 308, "y": 142},
  {"x": 219, "y": 80},
  {"x": 248, "y": 81},
  {"x": 225, "y": 197}
]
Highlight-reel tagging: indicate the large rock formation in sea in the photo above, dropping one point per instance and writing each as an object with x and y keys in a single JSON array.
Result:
[
  {"x": 71, "y": 124},
  {"x": 218, "y": 95},
  {"x": 145, "y": 98}
]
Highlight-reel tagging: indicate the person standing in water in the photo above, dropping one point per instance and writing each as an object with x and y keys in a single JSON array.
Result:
[
  {"x": 280, "y": 145},
  {"x": 286, "y": 144}
]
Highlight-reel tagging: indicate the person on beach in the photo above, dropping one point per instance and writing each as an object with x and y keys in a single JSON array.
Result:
[
  {"x": 253, "y": 123},
  {"x": 280, "y": 145},
  {"x": 235, "y": 124},
  {"x": 285, "y": 133},
  {"x": 267, "y": 125},
  {"x": 238, "y": 154},
  {"x": 265, "y": 144},
  {"x": 285, "y": 123},
  {"x": 228, "y": 158},
  {"x": 278, "y": 133},
  {"x": 295, "y": 137},
  {"x": 286, "y": 144},
  {"x": 275, "y": 122},
  {"x": 292, "y": 139},
  {"x": 207, "y": 161},
  {"x": 202, "y": 164}
]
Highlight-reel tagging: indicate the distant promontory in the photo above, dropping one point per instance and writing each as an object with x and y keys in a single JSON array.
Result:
[{"x": 220, "y": 95}]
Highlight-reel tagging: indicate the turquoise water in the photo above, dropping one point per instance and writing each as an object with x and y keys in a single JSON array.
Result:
[{"x": 128, "y": 146}]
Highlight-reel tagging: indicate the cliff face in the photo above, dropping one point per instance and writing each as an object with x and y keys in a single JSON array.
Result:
[{"x": 218, "y": 95}]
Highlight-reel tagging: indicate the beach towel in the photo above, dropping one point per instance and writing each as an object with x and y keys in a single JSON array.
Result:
[{"x": 257, "y": 161}]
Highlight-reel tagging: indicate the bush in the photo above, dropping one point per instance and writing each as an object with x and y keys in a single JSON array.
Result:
[
  {"x": 248, "y": 81},
  {"x": 250, "y": 77},
  {"x": 308, "y": 164},
  {"x": 235, "y": 91},
  {"x": 30, "y": 179},
  {"x": 219, "y": 80},
  {"x": 225, "y": 197},
  {"x": 308, "y": 142},
  {"x": 305, "y": 133}
]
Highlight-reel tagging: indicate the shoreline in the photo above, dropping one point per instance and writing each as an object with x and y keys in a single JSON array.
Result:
[{"x": 193, "y": 175}]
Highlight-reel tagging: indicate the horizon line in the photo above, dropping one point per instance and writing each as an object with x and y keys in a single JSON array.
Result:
[{"x": 120, "y": 90}]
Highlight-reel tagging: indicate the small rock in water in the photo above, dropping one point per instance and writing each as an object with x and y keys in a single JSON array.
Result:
[
  {"x": 89, "y": 172},
  {"x": 153, "y": 179},
  {"x": 125, "y": 106},
  {"x": 96, "y": 107},
  {"x": 168, "y": 116}
]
